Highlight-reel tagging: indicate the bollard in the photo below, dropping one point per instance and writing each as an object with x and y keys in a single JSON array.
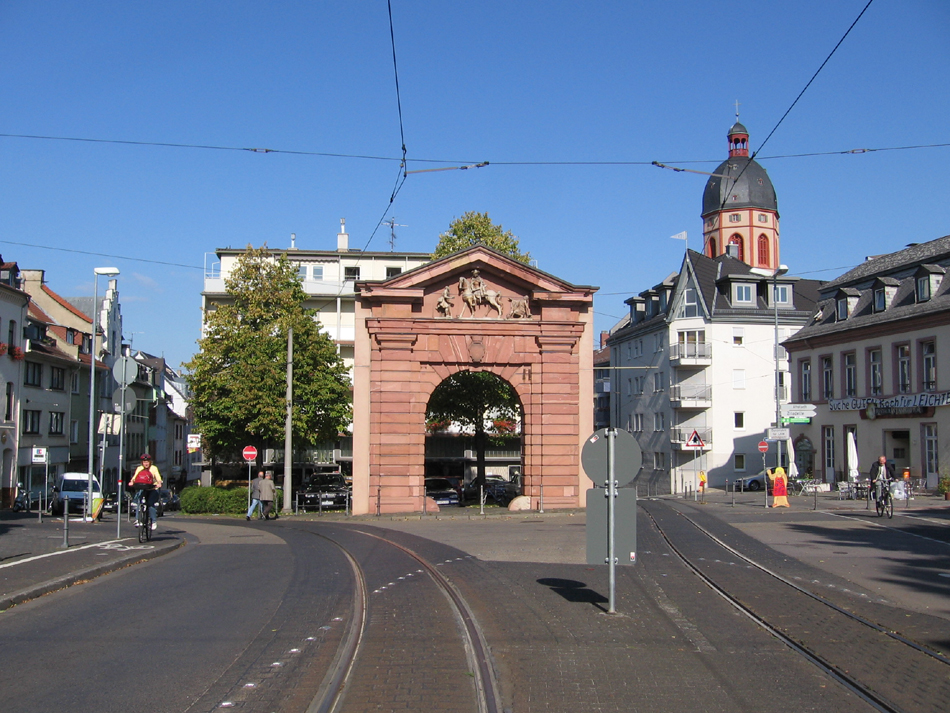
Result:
[
  {"x": 379, "y": 499},
  {"x": 816, "y": 498},
  {"x": 65, "y": 523},
  {"x": 733, "y": 492}
]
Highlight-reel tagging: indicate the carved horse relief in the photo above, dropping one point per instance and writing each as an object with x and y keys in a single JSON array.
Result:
[{"x": 474, "y": 293}]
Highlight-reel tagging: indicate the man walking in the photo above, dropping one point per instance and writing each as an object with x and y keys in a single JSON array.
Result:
[
  {"x": 267, "y": 492},
  {"x": 256, "y": 495}
]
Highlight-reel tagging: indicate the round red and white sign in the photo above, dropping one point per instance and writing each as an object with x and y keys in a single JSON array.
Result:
[
  {"x": 250, "y": 452},
  {"x": 763, "y": 447}
]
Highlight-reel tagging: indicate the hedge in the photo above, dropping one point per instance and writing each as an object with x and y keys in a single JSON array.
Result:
[{"x": 198, "y": 500}]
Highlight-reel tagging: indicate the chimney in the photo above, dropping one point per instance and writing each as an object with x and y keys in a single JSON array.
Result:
[
  {"x": 342, "y": 239},
  {"x": 732, "y": 251},
  {"x": 293, "y": 241},
  {"x": 604, "y": 336}
]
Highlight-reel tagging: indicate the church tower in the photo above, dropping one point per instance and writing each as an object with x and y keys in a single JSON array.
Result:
[{"x": 740, "y": 211}]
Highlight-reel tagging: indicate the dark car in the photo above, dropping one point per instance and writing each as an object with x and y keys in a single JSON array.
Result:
[
  {"x": 323, "y": 490},
  {"x": 496, "y": 489},
  {"x": 169, "y": 500},
  {"x": 442, "y": 491},
  {"x": 753, "y": 482}
]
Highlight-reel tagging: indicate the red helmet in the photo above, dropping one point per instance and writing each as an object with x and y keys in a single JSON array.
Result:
[{"x": 145, "y": 456}]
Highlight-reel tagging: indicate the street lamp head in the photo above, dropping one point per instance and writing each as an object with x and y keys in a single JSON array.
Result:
[
  {"x": 782, "y": 269},
  {"x": 110, "y": 271}
]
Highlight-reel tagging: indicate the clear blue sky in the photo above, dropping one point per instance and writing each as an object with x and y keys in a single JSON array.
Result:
[{"x": 485, "y": 80}]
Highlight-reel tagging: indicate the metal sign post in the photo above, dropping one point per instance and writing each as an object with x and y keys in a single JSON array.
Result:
[
  {"x": 763, "y": 449},
  {"x": 250, "y": 455},
  {"x": 124, "y": 371}
]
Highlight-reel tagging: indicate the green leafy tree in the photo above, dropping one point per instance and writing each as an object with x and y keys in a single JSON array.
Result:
[
  {"x": 469, "y": 398},
  {"x": 239, "y": 376},
  {"x": 477, "y": 229}
]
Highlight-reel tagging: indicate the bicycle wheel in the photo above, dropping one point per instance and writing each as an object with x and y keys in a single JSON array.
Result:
[
  {"x": 145, "y": 531},
  {"x": 879, "y": 504},
  {"x": 147, "y": 525},
  {"x": 889, "y": 505}
]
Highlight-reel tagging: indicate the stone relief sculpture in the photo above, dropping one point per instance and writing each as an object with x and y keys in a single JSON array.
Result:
[
  {"x": 443, "y": 308},
  {"x": 475, "y": 293}
]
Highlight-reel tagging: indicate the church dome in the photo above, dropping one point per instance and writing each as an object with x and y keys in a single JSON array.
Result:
[{"x": 752, "y": 190}]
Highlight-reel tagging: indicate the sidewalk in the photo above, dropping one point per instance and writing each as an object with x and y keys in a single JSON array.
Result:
[{"x": 34, "y": 562}]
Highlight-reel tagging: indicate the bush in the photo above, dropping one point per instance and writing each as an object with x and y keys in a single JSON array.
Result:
[{"x": 197, "y": 500}]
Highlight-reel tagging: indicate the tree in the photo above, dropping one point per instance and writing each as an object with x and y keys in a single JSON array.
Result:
[
  {"x": 469, "y": 398},
  {"x": 238, "y": 378},
  {"x": 477, "y": 229}
]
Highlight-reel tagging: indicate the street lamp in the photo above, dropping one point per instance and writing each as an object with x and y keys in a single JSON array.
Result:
[
  {"x": 779, "y": 271},
  {"x": 111, "y": 272}
]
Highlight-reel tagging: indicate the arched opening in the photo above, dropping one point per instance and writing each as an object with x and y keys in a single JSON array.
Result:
[
  {"x": 763, "y": 251},
  {"x": 474, "y": 439},
  {"x": 711, "y": 252},
  {"x": 739, "y": 249}
]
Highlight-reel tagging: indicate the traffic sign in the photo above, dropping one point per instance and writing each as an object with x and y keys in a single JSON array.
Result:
[
  {"x": 798, "y": 410},
  {"x": 125, "y": 370},
  {"x": 797, "y": 420},
  {"x": 249, "y": 453},
  {"x": 763, "y": 446},
  {"x": 627, "y": 456},
  {"x": 779, "y": 434},
  {"x": 123, "y": 400},
  {"x": 694, "y": 441}
]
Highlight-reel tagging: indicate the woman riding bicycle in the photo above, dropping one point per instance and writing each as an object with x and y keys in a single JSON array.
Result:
[{"x": 146, "y": 481}]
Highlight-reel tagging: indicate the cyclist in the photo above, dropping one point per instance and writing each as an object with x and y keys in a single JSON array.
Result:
[
  {"x": 146, "y": 481},
  {"x": 881, "y": 474}
]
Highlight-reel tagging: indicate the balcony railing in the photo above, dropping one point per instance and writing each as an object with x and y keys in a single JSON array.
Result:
[
  {"x": 691, "y": 350},
  {"x": 691, "y": 392}
]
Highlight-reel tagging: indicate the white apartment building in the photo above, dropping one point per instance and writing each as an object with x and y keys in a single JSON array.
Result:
[
  {"x": 693, "y": 375},
  {"x": 870, "y": 361},
  {"x": 328, "y": 278},
  {"x": 13, "y": 311}
]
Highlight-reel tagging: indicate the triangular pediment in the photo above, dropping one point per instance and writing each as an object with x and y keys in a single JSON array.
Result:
[{"x": 489, "y": 283}]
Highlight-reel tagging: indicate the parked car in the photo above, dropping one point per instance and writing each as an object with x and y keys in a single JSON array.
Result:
[
  {"x": 111, "y": 500},
  {"x": 497, "y": 490},
  {"x": 323, "y": 490},
  {"x": 169, "y": 500},
  {"x": 442, "y": 491},
  {"x": 70, "y": 492},
  {"x": 753, "y": 482}
]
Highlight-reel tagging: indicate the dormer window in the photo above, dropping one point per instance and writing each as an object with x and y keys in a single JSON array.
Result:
[
  {"x": 782, "y": 294},
  {"x": 923, "y": 288},
  {"x": 742, "y": 294},
  {"x": 880, "y": 300},
  {"x": 842, "y": 309},
  {"x": 927, "y": 281}
]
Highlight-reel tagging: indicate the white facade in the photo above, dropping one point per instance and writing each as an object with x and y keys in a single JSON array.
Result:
[
  {"x": 694, "y": 373},
  {"x": 328, "y": 278},
  {"x": 13, "y": 307}
]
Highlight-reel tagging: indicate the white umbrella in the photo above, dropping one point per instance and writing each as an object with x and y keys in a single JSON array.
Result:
[
  {"x": 853, "y": 472},
  {"x": 792, "y": 465}
]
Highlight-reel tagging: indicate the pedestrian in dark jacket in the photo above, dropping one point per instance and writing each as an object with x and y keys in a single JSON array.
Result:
[
  {"x": 881, "y": 472},
  {"x": 256, "y": 495}
]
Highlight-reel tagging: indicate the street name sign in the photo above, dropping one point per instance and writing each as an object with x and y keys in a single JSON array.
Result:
[
  {"x": 779, "y": 434},
  {"x": 799, "y": 410}
]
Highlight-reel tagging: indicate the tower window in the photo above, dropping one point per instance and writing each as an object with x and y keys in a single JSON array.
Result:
[
  {"x": 734, "y": 218},
  {"x": 763, "y": 218},
  {"x": 763, "y": 250},
  {"x": 712, "y": 247},
  {"x": 739, "y": 250}
]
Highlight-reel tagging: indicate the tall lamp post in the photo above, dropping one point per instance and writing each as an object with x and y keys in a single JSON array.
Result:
[
  {"x": 779, "y": 271},
  {"x": 111, "y": 272}
]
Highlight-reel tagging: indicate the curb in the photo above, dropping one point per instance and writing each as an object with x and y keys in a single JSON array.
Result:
[{"x": 82, "y": 575}]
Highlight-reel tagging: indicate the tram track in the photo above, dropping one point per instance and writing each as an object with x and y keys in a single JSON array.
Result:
[
  {"x": 331, "y": 698},
  {"x": 885, "y": 669}
]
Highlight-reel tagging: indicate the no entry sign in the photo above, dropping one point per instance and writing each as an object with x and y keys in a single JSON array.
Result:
[
  {"x": 763, "y": 447},
  {"x": 249, "y": 452}
]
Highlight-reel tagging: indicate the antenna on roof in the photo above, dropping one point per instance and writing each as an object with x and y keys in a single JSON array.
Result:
[{"x": 392, "y": 232}]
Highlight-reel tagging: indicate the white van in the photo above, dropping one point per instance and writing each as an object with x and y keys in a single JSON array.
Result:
[{"x": 71, "y": 488}]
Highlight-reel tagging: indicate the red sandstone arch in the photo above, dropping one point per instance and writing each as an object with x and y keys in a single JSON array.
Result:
[{"x": 403, "y": 350}]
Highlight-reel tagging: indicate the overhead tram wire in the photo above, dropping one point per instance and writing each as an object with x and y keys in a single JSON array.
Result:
[{"x": 800, "y": 94}]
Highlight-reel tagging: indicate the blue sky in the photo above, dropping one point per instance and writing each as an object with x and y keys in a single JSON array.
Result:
[{"x": 519, "y": 84}]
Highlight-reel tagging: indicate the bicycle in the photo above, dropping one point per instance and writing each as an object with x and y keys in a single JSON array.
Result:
[
  {"x": 885, "y": 503},
  {"x": 143, "y": 515}
]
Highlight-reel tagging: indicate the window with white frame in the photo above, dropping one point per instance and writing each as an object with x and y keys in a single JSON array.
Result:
[
  {"x": 659, "y": 381},
  {"x": 742, "y": 294},
  {"x": 31, "y": 421},
  {"x": 923, "y": 288},
  {"x": 659, "y": 421},
  {"x": 659, "y": 460},
  {"x": 903, "y": 368},
  {"x": 33, "y": 374},
  {"x": 738, "y": 334},
  {"x": 880, "y": 300},
  {"x": 57, "y": 421},
  {"x": 781, "y": 294},
  {"x": 928, "y": 353},
  {"x": 57, "y": 378},
  {"x": 738, "y": 378},
  {"x": 827, "y": 378},
  {"x": 351, "y": 273},
  {"x": 738, "y": 420},
  {"x": 931, "y": 449},
  {"x": 876, "y": 372},
  {"x": 735, "y": 218},
  {"x": 850, "y": 374},
  {"x": 638, "y": 422},
  {"x": 690, "y": 303},
  {"x": 843, "y": 308},
  {"x": 828, "y": 437},
  {"x": 806, "y": 381},
  {"x": 317, "y": 272}
]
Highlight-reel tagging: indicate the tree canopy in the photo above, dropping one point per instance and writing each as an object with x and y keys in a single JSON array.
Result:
[
  {"x": 477, "y": 229},
  {"x": 470, "y": 398},
  {"x": 238, "y": 378}
]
